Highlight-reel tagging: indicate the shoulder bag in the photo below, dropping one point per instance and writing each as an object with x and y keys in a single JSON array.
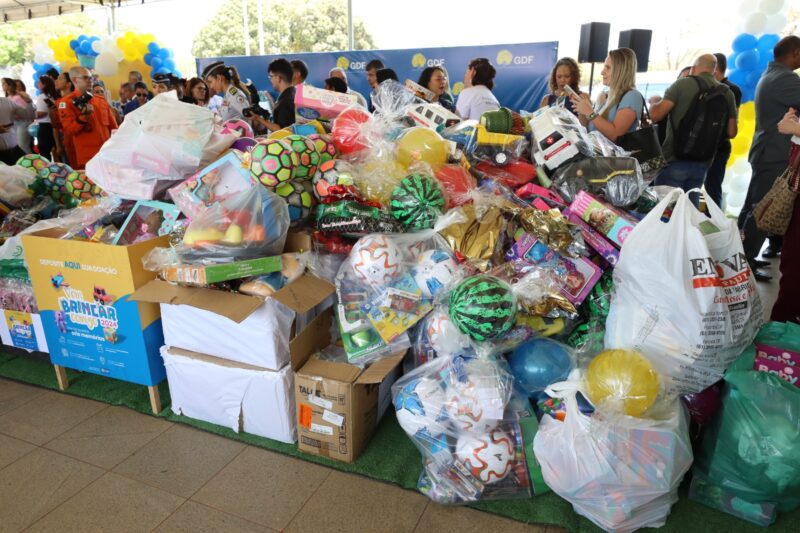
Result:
[
  {"x": 644, "y": 146},
  {"x": 774, "y": 212}
]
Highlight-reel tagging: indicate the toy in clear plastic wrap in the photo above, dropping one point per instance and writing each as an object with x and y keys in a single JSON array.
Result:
[
  {"x": 226, "y": 175},
  {"x": 354, "y": 219},
  {"x": 417, "y": 201},
  {"x": 618, "y": 179},
  {"x": 483, "y": 307},
  {"x": 244, "y": 225},
  {"x": 299, "y": 199},
  {"x": 478, "y": 237},
  {"x": 514, "y": 174},
  {"x": 497, "y": 148},
  {"x": 272, "y": 162},
  {"x": 17, "y": 295},
  {"x": 557, "y": 137},
  {"x": 530, "y": 192},
  {"x": 606, "y": 219},
  {"x": 540, "y": 362},
  {"x": 419, "y": 144},
  {"x": 620, "y": 472},
  {"x": 433, "y": 116},
  {"x": 460, "y": 415},
  {"x": 457, "y": 183},
  {"x": 378, "y": 172},
  {"x": 324, "y": 146},
  {"x": 332, "y": 173},
  {"x": 437, "y": 336},
  {"x": 308, "y": 157},
  {"x": 15, "y": 185},
  {"x": 346, "y": 133},
  {"x": 622, "y": 381},
  {"x": 505, "y": 121}
]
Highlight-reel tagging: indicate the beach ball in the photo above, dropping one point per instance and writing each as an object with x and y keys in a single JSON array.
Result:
[
  {"x": 538, "y": 363},
  {"x": 419, "y": 144}
]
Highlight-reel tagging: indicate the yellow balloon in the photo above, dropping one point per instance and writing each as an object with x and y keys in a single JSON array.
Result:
[
  {"x": 747, "y": 112},
  {"x": 623, "y": 378},
  {"x": 420, "y": 144}
]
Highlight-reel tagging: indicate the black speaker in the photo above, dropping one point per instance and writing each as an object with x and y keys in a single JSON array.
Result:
[
  {"x": 639, "y": 42},
  {"x": 594, "y": 42}
]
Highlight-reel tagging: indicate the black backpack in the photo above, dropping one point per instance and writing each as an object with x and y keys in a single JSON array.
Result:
[{"x": 701, "y": 129}]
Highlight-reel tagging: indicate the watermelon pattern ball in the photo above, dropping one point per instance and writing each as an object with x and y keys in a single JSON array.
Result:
[
  {"x": 299, "y": 199},
  {"x": 324, "y": 145},
  {"x": 272, "y": 162},
  {"x": 482, "y": 307},
  {"x": 81, "y": 187},
  {"x": 34, "y": 162},
  {"x": 417, "y": 201},
  {"x": 307, "y": 156}
]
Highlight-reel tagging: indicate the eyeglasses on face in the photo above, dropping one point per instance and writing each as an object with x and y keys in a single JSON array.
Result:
[{"x": 141, "y": 95}]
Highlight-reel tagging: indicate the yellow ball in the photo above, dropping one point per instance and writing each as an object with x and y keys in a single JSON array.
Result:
[
  {"x": 421, "y": 144},
  {"x": 624, "y": 379}
]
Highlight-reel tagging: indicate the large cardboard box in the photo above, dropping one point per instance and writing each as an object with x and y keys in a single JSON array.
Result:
[
  {"x": 91, "y": 324},
  {"x": 235, "y": 395},
  {"x": 339, "y": 405},
  {"x": 23, "y": 330}
]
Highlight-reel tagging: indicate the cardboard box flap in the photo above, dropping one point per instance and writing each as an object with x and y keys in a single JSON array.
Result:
[
  {"x": 215, "y": 360},
  {"x": 305, "y": 293},
  {"x": 311, "y": 340},
  {"x": 234, "y": 306},
  {"x": 330, "y": 370},
  {"x": 377, "y": 371}
]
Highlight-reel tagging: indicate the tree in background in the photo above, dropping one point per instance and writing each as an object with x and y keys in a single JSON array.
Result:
[{"x": 312, "y": 26}]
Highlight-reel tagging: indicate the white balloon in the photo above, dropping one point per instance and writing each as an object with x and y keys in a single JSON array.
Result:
[
  {"x": 740, "y": 166},
  {"x": 97, "y": 46},
  {"x": 776, "y": 23},
  {"x": 740, "y": 183},
  {"x": 106, "y": 64},
  {"x": 735, "y": 200},
  {"x": 770, "y": 7},
  {"x": 755, "y": 23},
  {"x": 747, "y": 7}
]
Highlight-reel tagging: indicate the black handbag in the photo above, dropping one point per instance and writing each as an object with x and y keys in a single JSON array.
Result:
[{"x": 644, "y": 146}]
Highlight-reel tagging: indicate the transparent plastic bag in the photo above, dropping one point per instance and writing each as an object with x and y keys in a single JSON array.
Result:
[
  {"x": 619, "y": 179},
  {"x": 15, "y": 184},
  {"x": 459, "y": 414},
  {"x": 499, "y": 149},
  {"x": 605, "y": 148},
  {"x": 620, "y": 472},
  {"x": 557, "y": 137},
  {"x": 17, "y": 295}
]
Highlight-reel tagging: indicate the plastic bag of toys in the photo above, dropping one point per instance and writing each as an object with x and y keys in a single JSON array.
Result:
[
  {"x": 160, "y": 143},
  {"x": 605, "y": 148},
  {"x": 387, "y": 284},
  {"x": 499, "y": 149},
  {"x": 619, "y": 179},
  {"x": 684, "y": 295},
  {"x": 458, "y": 413},
  {"x": 436, "y": 336},
  {"x": 557, "y": 137},
  {"x": 17, "y": 295},
  {"x": 244, "y": 225},
  {"x": 15, "y": 184},
  {"x": 620, "y": 472}
]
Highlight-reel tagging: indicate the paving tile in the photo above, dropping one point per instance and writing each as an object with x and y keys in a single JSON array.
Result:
[
  {"x": 109, "y": 437},
  {"x": 38, "y": 483},
  {"x": 437, "y": 518},
  {"x": 112, "y": 503},
  {"x": 263, "y": 487},
  {"x": 12, "y": 449},
  {"x": 180, "y": 460},
  {"x": 13, "y": 394},
  {"x": 346, "y": 503},
  {"x": 193, "y": 517},
  {"x": 47, "y": 416}
]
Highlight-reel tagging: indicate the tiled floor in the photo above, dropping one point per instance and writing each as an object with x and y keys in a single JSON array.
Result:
[{"x": 69, "y": 464}]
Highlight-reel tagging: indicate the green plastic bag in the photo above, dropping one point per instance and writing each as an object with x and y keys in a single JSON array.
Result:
[{"x": 752, "y": 448}]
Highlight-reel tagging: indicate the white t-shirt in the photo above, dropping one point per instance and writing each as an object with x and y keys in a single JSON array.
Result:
[
  {"x": 41, "y": 107},
  {"x": 10, "y": 113},
  {"x": 474, "y": 101}
]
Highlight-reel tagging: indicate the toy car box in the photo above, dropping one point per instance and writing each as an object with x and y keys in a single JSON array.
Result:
[{"x": 311, "y": 103}]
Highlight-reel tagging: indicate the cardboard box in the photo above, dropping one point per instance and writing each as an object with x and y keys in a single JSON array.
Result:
[
  {"x": 312, "y": 103},
  {"x": 339, "y": 405},
  {"x": 23, "y": 330},
  {"x": 606, "y": 219},
  {"x": 235, "y": 395},
  {"x": 205, "y": 275},
  {"x": 91, "y": 324}
]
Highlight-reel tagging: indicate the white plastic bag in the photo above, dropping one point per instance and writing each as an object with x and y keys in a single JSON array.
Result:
[
  {"x": 158, "y": 144},
  {"x": 15, "y": 183},
  {"x": 620, "y": 472},
  {"x": 684, "y": 294}
]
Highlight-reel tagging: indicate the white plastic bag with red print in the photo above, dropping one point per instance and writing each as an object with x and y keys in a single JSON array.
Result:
[{"x": 684, "y": 294}]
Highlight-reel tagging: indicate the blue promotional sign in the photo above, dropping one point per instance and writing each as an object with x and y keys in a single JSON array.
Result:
[{"x": 521, "y": 81}]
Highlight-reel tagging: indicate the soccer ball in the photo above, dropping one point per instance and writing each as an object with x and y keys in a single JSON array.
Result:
[
  {"x": 34, "y": 162},
  {"x": 443, "y": 336},
  {"x": 81, "y": 187},
  {"x": 376, "y": 259},
  {"x": 434, "y": 270},
  {"x": 324, "y": 146},
  {"x": 419, "y": 407},
  {"x": 272, "y": 162},
  {"x": 298, "y": 198},
  {"x": 477, "y": 401},
  {"x": 237, "y": 126},
  {"x": 332, "y": 173},
  {"x": 307, "y": 156},
  {"x": 489, "y": 457}
]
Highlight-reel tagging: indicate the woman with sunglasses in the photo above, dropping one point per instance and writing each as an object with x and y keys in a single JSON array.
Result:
[
  {"x": 196, "y": 92},
  {"x": 140, "y": 96}
]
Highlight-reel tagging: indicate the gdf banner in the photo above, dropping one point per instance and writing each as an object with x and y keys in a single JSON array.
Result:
[{"x": 522, "y": 69}]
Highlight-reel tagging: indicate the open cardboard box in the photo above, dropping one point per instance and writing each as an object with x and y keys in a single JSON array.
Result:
[{"x": 339, "y": 405}]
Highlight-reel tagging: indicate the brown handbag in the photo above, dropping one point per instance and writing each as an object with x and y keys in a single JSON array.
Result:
[{"x": 774, "y": 212}]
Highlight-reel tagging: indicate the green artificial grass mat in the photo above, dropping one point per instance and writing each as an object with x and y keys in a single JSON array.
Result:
[{"x": 390, "y": 456}]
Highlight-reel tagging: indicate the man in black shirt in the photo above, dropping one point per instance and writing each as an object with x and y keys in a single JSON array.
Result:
[{"x": 280, "y": 75}]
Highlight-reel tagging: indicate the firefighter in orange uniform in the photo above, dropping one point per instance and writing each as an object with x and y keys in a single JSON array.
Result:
[{"x": 87, "y": 119}]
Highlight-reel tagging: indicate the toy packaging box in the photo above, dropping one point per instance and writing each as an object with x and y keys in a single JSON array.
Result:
[
  {"x": 23, "y": 330},
  {"x": 227, "y": 175},
  {"x": 606, "y": 219},
  {"x": 239, "y": 396},
  {"x": 591, "y": 237},
  {"x": 83, "y": 290},
  {"x": 311, "y": 103},
  {"x": 203, "y": 275},
  {"x": 339, "y": 405}
]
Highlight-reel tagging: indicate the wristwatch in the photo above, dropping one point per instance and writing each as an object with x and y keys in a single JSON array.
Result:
[{"x": 592, "y": 116}]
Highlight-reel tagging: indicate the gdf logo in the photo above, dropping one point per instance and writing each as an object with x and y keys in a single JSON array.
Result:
[
  {"x": 343, "y": 63},
  {"x": 504, "y": 57},
  {"x": 457, "y": 88},
  {"x": 418, "y": 60}
]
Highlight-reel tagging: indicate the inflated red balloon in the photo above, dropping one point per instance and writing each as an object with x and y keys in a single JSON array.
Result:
[
  {"x": 457, "y": 183},
  {"x": 346, "y": 132},
  {"x": 704, "y": 404}
]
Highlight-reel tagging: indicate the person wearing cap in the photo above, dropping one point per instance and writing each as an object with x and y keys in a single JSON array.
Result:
[
  {"x": 162, "y": 83},
  {"x": 224, "y": 80}
]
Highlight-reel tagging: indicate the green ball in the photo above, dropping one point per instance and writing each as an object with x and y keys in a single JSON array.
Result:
[
  {"x": 417, "y": 201},
  {"x": 482, "y": 307}
]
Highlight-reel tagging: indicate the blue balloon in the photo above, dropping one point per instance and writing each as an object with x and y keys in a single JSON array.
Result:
[
  {"x": 163, "y": 53},
  {"x": 748, "y": 94},
  {"x": 74, "y": 44},
  {"x": 747, "y": 60},
  {"x": 169, "y": 64},
  {"x": 161, "y": 70},
  {"x": 539, "y": 363},
  {"x": 86, "y": 47},
  {"x": 177, "y": 73},
  {"x": 752, "y": 79},
  {"x": 744, "y": 41},
  {"x": 82, "y": 37},
  {"x": 155, "y": 62},
  {"x": 739, "y": 77},
  {"x": 767, "y": 42},
  {"x": 153, "y": 47},
  {"x": 764, "y": 58},
  {"x": 148, "y": 57}
]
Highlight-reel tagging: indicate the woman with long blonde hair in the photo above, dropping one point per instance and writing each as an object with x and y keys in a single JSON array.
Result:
[{"x": 621, "y": 107}]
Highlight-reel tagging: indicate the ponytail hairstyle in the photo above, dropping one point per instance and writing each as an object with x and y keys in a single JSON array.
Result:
[
  {"x": 49, "y": 87},
  {"x": 233, "y": 77}
]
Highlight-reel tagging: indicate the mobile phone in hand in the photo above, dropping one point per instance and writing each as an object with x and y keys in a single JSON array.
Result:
[{"x": 570, "y": 91}]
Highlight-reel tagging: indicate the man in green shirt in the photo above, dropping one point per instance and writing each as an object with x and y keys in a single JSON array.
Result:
[{"x": 676, "y": 103}]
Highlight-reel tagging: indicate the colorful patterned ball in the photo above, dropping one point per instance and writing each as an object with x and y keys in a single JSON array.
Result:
[
  {"x": 417, "y": 201},
  {"x": 54, "y": 175},
  {"x": 482, "y": 307},
  {"x": 81, "y": 187},
  {"x": 325, "y": 147},
  {"x": 238, "y": 126},
  {"x": 299, "y": 199},
  {"x": 272, "y": 162},
  {"x": 332, "y": 173},
  {"x": 33, "y": 161},
  {"x": 307, "y": 156}
]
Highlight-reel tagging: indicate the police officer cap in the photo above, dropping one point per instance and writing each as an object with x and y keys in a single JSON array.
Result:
[
  {"x": 213, "y": 68},
  {"x": 164, "y": 79}
]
